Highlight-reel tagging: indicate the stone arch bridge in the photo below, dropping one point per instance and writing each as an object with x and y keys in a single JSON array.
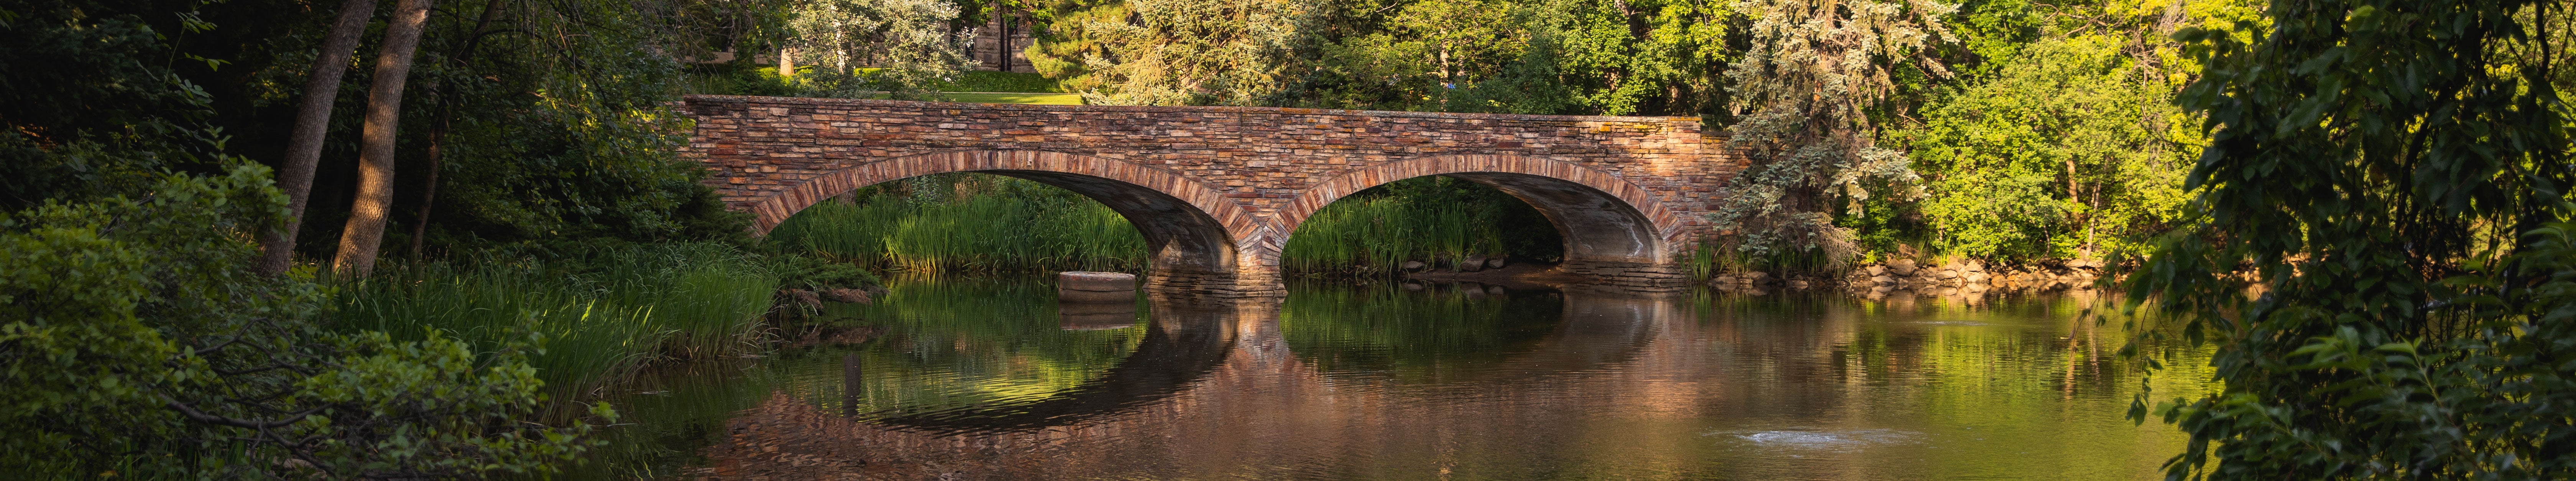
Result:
[{"x": 1216, "y": 191}]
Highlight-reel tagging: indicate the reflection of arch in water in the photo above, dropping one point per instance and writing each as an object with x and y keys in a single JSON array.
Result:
[
  {"x": 1189, "y": 344},
  {"x": 1598, "y": 332},
  {"x": 1182, "y": 347},
  {"x": 1585, "y": 332},
  {"x": 1192, "y": 230}
]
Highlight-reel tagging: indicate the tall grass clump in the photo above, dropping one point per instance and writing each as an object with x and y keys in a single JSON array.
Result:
[
  {"x": 967, "y": 223},
  {"x": 596, "y": 320},
  {"x": 1436, "y": 220}
]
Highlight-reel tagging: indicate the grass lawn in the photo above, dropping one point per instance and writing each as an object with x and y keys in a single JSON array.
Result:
[
  {"x": 1005, "y": 98},
  {"x": 1014, "y": 98}
]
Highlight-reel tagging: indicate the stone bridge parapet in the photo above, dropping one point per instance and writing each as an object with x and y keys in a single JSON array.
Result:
[{"x": 1217, "y": 190}]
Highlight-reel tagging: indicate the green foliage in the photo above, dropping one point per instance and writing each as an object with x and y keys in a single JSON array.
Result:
[
  {"x": 1186, "y": 52},
  {"x": 737, "y": 79},
  {"x": 1415, "y": 57},
  {"x": 805, "y": 271},
  {"x": 85, "y": 114},
  {"x": 967, "y": 222},
  {"x": 1067, "y": 40},
  {"x": 1543, "y": 57},
  {"x": 907, "y": 42},
  {"x": 1617, "y": 58},
  {"x": 1812, "y": 84},
  {"x": 2054, "y": 154},
  {"x": 2370, "y": 166},
  {"x": 1438, "y": 220},
  {"x": 597, "y": 320},
  {"x": 991, "y": 81},
  {"x": 139, "y": 344},
  {"x": 553, "y": 138}
]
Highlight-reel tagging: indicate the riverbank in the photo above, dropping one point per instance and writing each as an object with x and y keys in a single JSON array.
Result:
[{"x": 1967, "y": 275}]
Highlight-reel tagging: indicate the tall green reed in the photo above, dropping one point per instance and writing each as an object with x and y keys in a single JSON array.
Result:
[
  {"x": 595, "y": 323},
  {"x": 984, "y": 223},
  {"x": 974, "y": 224},
  {"x": 1438, "y": 221}
]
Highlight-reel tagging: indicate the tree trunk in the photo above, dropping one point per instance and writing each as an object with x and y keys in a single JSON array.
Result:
[
  {"x": 464, "y": 55},
  {"x": 312, "y": 123},
  {"x": 365, "y": 231},
  {"x": 429, "y": 186}
]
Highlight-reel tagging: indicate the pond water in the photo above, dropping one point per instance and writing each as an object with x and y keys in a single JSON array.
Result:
[{"x": 990, "y": 379}]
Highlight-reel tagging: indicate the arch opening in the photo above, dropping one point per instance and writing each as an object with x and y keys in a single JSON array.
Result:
[
  {"x": 1595, "y": 225},
  {"x": 1613, "y": 230},
  {"x": 1188, "y": 228},
  {"x": 1440, "y": 221},
  {"x": 1176, "y": 234}
]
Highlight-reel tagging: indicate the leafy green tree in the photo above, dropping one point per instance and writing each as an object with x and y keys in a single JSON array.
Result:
[
  {"x": 2056, "y": 154},
  {"x": 1415, "y": 60},
  {"x": 1066, "y": 41},
  {"x": 906, "y": 40},
  {"x": 1541, "y": 57},
  {"x": 2058, "y": 139},
  {"x": 138, "y": 342},
  {"x": 1811, "y": 87},
  {"x": 1189, "y": 52},
  {"x": 558, "y": 140},
  {"x": 2387, "y": 179},
  {"x": 85, "y": 113},
  {"x": 1617, "y": 57}
]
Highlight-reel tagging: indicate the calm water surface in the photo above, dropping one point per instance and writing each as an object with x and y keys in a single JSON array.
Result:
[{"x": 990, "y": 379}]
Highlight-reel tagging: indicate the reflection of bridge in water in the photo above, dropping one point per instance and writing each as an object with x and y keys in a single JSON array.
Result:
[
  {"x": 1202, "y": 370},
  {"x": 1611, "y": 387}
]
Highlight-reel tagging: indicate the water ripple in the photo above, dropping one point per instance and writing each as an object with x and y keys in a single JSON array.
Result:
[{"x": 1833, "y": 440}]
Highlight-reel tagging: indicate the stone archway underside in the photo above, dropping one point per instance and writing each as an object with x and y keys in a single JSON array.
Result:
[
  {"x": 1614, "y": 230},
  {"x": 1217, "y": 189},
  {"x": 1190, "y": 228}
]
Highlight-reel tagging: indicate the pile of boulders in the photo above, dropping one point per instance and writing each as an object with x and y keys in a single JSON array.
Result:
[
  {"x": 2055, "y": 274},
  {"x": 1975, "y": 276},
  {"x": 814, "y": 299},
  {"x": 1759, "y": 280},
  {"x": 1470, "y": 264}
]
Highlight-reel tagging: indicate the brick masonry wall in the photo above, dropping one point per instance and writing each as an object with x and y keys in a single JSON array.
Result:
[{"x": 1254, "y": 170}]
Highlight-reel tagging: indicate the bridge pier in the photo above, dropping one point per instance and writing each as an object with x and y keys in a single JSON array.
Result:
[{"x": 1244, "y": 281}]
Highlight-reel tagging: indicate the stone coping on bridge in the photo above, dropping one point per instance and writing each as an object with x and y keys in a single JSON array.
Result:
[{"x": 1176, "y": 108}]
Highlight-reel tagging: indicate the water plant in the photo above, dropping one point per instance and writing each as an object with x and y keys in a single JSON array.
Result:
[
  {"x": 1437, "y": 220},
  {"x": 985, "y": 223},
  {"x": 596, "y": 322},
  {"x": 967, "y": 223}
]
